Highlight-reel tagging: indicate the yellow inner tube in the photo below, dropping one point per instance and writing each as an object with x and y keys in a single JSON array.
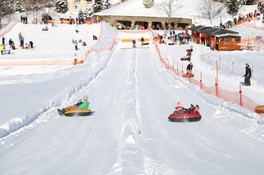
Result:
[{"x": 78, "y": 112}]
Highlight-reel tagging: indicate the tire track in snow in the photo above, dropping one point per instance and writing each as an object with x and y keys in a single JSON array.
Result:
[{"x": 130, "y": 160}]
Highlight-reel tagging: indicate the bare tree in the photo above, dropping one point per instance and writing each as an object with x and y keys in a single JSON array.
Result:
[
  {"x": 210, "y": 9},
  {"x": 35, "y": 6},
  {"x": 168, "y": 6},
  {"x": 6, "y": 9}
]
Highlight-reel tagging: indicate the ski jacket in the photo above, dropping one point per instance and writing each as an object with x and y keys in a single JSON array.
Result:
[
  {"x": 177, "y": 108},
  {"x": 2, "y": 47},
  {"x": 189, "y": 67},
  {"x": 84, "y": 105},
  {"x": 248, "y": 72}
]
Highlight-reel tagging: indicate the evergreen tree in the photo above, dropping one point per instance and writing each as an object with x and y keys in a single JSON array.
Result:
[
  {"x": 106, "y": 4},
  {"x": 98, "y": 6},
  {"x": 88, "y": 13},
  {"x": 61, "y": 6},
  {"x": 6, "y": 7},
  {"x": 251, "y": 2},
  {"x": 233, "y": 6},
  {"x": 18, "y": 7}
]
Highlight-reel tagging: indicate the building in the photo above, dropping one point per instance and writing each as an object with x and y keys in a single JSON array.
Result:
[
  {"x": 143, "y": 14},
  {"x": 216, "y": 38}
]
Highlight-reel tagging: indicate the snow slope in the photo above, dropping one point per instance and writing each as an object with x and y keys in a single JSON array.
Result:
[{"x": 132, "y": 95}]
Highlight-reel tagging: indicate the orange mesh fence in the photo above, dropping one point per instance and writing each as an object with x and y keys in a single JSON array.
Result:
[
  {"x": 37, "y": 63},
  {"x": 130, "y": 40},
  {"x": 233, "y": 97},
  {"x": 134, "y": 31}
]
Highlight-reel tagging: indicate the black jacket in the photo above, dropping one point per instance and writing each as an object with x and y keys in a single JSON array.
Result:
[{"x": 248, "y": 72}]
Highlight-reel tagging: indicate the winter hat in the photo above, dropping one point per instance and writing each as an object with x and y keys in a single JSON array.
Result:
[
  {"x": 79, "y": 101},
  {"x": 85, "y": 98},
  {"x": 178, "y": 103}
]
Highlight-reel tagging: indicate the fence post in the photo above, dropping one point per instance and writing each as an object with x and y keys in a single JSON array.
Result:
[
  {"x": 167, "y": 63},
  {"x": 216, "y": 81},
  {"x": 232, "y": 67},
  {"x": 182, "y": 70},
  {"x": 173, "y": 65},
  {"x": 240, "y": 96},
  {"x": 177, "y": 68},
  {"x": 217, "y": 67},
  {"x": 75, "y": 59},
  {"x": 216, "y": 87},
  {"x": 201, "y": 80},
  {"x": 252, "y": 71}
]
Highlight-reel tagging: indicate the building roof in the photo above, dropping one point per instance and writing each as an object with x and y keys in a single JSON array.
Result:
[
  {"x": 214, "y": 31},
  {"x": 137, "y": 8}
]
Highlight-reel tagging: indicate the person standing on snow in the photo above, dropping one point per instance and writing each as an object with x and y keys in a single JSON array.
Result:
[
  {"x": 142, "y": 41},
  {"x": 189, "y": 55},
  {"x": 3, "y": 40},
  {"x": 247, "y": 75},
  {"x": 189, "y": 69},
  {"x": 76, "y": 44}
]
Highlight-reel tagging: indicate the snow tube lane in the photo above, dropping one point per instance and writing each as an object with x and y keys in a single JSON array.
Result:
[{"x": 167, "y": 146}]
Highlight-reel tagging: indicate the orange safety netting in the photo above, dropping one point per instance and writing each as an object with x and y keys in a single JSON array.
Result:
[{"x": 233, "y": 97}]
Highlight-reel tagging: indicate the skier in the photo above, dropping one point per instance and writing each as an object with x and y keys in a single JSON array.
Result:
[{"x": 247, "y": 75}]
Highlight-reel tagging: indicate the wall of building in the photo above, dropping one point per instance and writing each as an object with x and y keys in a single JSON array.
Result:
[{"x": 138, "y": 19}]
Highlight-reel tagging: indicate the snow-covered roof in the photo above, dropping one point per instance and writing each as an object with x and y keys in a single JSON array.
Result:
[
  {"x": 215, "y": 31},
  {"x": 137, "y": 8}
]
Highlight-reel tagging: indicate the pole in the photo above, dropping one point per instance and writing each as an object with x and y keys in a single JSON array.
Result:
[
  {"x": 182, "y": 69},
  {"x": 216, "y": 87},
  {"x": 201, "y": 80},
  {"x": 233, "y": 67},
  {"x": 216, "y": 81},
  {"x": 177, "y": 68},
  {"x": 240, "y": 96}
]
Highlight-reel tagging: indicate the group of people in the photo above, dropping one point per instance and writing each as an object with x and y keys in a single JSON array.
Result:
[
  {"x": 179, "y": 109},
  {"x": 172, "y": 37},
  {"x": 11, "y": 44},
  {"x": 81, "y": 104},
  {"x": 3, "y": 49}
]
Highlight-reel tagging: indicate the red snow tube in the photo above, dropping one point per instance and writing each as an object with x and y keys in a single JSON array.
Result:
[
  {"x": 181, "y": 117},
  {"x": 185, "y": 59}
]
